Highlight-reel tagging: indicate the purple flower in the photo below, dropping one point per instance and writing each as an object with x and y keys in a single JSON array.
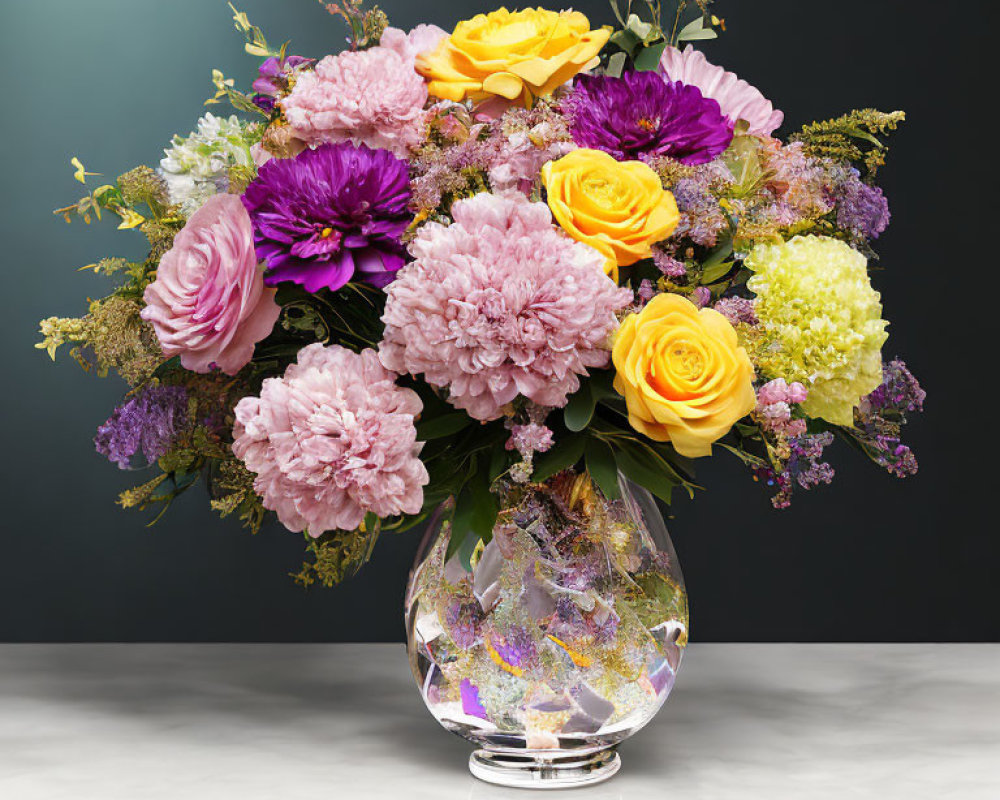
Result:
[
  {"x": 273, "y": 79},
  {"x": 641, "y": 115},
  {"x": 470, "y": 699},
  {"x": 150, "y": 421},
  {"x": 862, "y": 210},
  {"x": 329, "y": 213}
]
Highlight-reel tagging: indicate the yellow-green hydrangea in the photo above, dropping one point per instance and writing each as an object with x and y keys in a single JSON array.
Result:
[{"x": 821, "y": 320}]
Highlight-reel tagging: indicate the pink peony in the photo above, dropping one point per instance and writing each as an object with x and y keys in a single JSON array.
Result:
[
  {"x": 208, "y": 303},
  {"x": 332, "y": 440},
  {"x": 500, "y": 303},
  {"x": 373, "y": 97},
  {"x": 737, "y": 98}
]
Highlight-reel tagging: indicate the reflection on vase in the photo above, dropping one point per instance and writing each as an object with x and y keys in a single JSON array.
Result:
[{"x": 555, "y": 641}]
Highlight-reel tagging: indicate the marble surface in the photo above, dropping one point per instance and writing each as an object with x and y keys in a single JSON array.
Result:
[{"x": 809, "y": 722}]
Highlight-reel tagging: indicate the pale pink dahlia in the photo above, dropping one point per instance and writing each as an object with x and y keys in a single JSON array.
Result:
[
  {"x": 373, "y": 97},
  {"x": 498, "y": 304},
  {"x": 331, "y": 440},
  {"x": 737, "y": 98}
]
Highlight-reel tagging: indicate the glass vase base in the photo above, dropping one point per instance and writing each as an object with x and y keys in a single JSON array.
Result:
[{"x": 544, "y": 772}]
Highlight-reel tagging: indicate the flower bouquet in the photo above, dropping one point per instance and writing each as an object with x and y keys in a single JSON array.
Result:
[{"x": 516, "y": 279}]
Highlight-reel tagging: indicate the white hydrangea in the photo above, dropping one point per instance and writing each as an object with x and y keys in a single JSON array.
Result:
[{"x": 197, "y": 166}]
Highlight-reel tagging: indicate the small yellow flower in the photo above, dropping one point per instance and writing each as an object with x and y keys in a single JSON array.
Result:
[
  {"x": 619, "y": 208},
  {"x": 684, "y": 376},
  {"x": 514, "y": 55}
]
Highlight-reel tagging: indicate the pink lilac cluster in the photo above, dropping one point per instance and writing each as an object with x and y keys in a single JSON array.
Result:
[
  {"x": 737, "y": 98},
  {"x": 208, "y": 303},
  {"x": 738, "y": 310},
  {"x": 508, "y": 152},
  {"x": 373, "y": 97},
  {"x": 530, "y": 439},
  {"x": 774, "y": 407},
  {"x": 331, "y": 440},
  {"x": 799, "y": 182},
  {"x": 500, "y": 304}
]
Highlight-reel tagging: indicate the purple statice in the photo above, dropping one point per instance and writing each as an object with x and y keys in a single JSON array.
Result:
[
  {"x": 801, "y": 468},
  {"x": 641, "y": 116},
  {"x": 737, "y": 310},
  {"x": 899, "y": 390},
  {"x": 702, "y": 219},
  {"x": 701, "y": 296},
  {"x": 862, "y": 210},
  {"x": 331, "y": 215},
  {"x": 879, "y": 418},
  {"x": 645, "y": 291},
  {"x": 149, "y": 422},
  {"x": 273, "y": 78}
]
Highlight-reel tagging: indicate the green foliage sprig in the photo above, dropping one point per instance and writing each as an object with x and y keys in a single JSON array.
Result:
[
  {"x": 852, "y": 137},
  {"x": 366, "y": 26}
]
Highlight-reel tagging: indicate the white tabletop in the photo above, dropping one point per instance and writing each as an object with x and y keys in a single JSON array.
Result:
[{"x": 774, "y": 721}]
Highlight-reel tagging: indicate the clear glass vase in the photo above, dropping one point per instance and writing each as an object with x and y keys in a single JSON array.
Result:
[{"x": 557, "y": 640}]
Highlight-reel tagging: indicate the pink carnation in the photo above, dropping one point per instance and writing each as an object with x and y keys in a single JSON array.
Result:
[
  {"x": 373, "y": 97},
  {"x": 498, "y": 304},
  {"x": 737, "y": 98},
  {"x": 208, "y": 303},
  {"x": 332, "y": 440}
]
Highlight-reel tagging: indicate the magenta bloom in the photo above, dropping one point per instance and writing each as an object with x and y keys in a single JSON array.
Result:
[
  {"x": 498, "y": 304},
  {"x": 330, "y": 214},
  {"x": 208, "y": 303},
  {"x": 331, "y": 440},
  {"x": 639, "y": 116}
]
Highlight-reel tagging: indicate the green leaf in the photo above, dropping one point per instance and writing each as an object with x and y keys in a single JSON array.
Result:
[
  {"x": 707, "y": 33},
  {"x": 441, "y": 426},
  {"x": 475, "y": 513},
  {"x": 601, "y": 467},
  {"x": 580, "y": 408},
  {"x": 648, "y": 58},
  {"x": 563, "y": 455},
  {"x": 639, "y": 467},
  {"x": 716, "y": 271}
]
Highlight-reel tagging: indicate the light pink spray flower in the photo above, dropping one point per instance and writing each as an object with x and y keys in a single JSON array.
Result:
[
  {"x": 373, "y": 97},
  {"x": 737, "y": 98},
  {"x": 208, "y": 303},
  {"x": 331, "y": 440},
  {"x": 498, "y": 304}
]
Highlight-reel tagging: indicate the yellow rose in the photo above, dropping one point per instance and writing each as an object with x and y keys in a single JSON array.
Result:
[
  {"x": 684, "y": 376},
  {"x": 619, "y": 208},
  {"x": 523, "y": 54}
]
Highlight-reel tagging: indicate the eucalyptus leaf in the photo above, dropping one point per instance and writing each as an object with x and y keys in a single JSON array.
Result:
[
  {"x": 616, "y": 65},
  {"x": 648, "y": 58}
]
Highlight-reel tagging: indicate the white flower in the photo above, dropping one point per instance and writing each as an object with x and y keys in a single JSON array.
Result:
[{"x": 197, "y": 166}]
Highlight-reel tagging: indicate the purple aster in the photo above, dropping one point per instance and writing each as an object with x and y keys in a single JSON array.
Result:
[
  {"x": 641, "y": 115},
  {"x": 329, "y": 213},
  {"x": 151, "y": 422}
]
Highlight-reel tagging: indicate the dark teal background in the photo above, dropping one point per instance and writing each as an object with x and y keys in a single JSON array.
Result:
[{"x": 870, "y": 558}]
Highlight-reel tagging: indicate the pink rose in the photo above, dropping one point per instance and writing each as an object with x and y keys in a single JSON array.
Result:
[{"x": 208, "y": 303}]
